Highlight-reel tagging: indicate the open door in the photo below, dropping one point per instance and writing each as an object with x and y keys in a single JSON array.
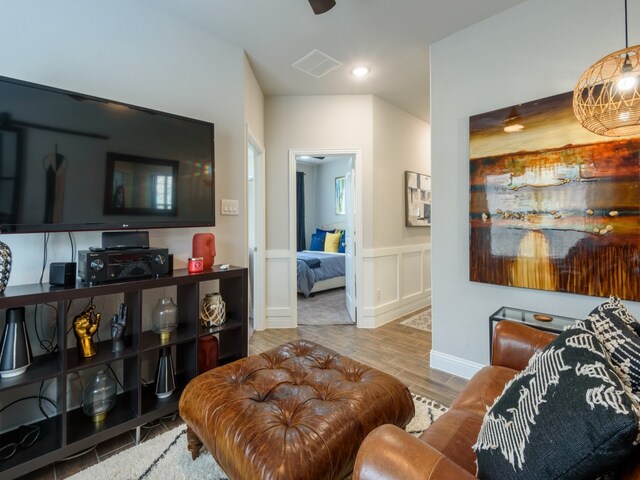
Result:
[{"x": 350, "y": 242}]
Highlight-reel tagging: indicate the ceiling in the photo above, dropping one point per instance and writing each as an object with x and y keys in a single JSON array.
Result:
[{"x": 390, "y": 36}]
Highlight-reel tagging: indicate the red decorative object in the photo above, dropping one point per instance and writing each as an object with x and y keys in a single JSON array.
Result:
[
  {"x": 204, "y": 245},
  {"x": 196, "y": 265},
  {"x": 207, "y": 353}
]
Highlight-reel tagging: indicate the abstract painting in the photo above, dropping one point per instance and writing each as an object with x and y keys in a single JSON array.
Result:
[{"x": 552, "y": 205}]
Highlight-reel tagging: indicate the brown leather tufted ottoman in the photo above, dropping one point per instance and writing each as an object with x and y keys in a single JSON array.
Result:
[{"x": 298, "y": 411}]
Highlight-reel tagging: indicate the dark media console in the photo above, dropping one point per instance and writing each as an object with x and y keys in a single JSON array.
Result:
[{"x": 112, "y": 265}]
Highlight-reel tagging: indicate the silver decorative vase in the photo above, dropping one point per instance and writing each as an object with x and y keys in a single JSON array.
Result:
[{"x": 5, "y": 265}]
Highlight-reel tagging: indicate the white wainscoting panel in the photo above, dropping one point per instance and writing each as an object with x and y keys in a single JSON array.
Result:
[
  {"x": 395, "y": 283},
  {"x": 277, "y": 309},
  {"x": 412, "y": 278}
]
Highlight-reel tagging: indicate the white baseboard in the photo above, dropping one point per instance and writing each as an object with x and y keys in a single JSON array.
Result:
[
  {"x": 279, "y": 322},
  {"x": 454, "y": 365},
  {"x": 378, "y": 316}
]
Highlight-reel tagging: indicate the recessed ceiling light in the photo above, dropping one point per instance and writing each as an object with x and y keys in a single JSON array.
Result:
[{"x": 360, "y": 71}]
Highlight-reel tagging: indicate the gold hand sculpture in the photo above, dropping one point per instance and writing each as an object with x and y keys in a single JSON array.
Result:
[{"x": 85, "y": 325}]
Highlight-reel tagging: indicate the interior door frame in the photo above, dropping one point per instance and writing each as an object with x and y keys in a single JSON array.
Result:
[
  {"x": 259, "y": 287},
  {"x": 358, "y": 267}
]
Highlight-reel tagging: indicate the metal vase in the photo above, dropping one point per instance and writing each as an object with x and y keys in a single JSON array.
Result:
[
  {"x": 15, "y": 349},
  {"x": 5, "y": 265},
  {"x": 165, "y": 374}
]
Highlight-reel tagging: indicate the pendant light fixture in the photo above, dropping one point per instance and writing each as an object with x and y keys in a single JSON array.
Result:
[{"x": 606, "y": 99}]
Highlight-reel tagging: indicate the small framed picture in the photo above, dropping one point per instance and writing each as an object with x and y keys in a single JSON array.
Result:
[
  {"x": 418, "y": 199},
  {"x": 340, "y": 204}
]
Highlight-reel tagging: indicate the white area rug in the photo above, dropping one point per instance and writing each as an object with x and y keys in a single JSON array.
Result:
[
  {"x": 421, "y": 320},
  {"x": 166, "y": 457}
]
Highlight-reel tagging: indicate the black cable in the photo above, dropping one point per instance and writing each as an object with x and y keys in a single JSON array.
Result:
[
  {"x": 44, "y": 255},
  {"x": 30, "y": 397},
  {"x": 40, "y": 398},
  {"x": 45, "y": 344},
  {"x": 73, "y": 248},
  {"x": 626, "y": 27},
  {"x": 114, "y": 375}
]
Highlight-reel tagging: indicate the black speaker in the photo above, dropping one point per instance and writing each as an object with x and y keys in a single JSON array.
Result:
[
  {"x": 124, "y": 240},
  {"x": 62, "y": 273}
]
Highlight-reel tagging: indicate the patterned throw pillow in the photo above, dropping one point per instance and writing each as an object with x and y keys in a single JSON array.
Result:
[
  {"x": 615, "y": 328},
  {"x": 615, "y": 308},
  {"x": 567, "y": 415}
]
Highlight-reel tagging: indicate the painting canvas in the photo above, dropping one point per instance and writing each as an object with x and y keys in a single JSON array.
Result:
[
  {"x": 552, "y": 205},
  {"x": 340, "y": 198},
  {"x": 418, "y": 199}
]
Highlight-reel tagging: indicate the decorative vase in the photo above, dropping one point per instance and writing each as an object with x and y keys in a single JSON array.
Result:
[
  {"x": 15, "y": 349},
  {"x": 204, "y": 245},
  {"x": 165, "y": 374},
  {"x": 212, "y": 310},
  {"x": 207, "y": 353},
  {"x": 99, "y": 396},
  {"x": 5, "y": 265},
  {"x": 164, "y": 318}
]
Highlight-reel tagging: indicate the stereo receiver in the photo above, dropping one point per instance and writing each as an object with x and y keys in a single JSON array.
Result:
[{"x": 109, "y": 265}]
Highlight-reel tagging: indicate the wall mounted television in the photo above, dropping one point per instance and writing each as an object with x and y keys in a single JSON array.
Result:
[{"x": 70, "y": 162}]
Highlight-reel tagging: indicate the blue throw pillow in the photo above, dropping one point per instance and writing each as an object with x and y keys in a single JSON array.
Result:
[
  {"x": 317, "y": 242},
  {"x": 342, "y": 243}
]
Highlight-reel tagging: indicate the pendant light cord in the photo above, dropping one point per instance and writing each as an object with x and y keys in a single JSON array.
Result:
[{"x": 626, "y": 26}]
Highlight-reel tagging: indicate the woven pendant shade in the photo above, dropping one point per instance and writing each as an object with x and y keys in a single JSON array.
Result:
[{"x": 599, "y": 102}]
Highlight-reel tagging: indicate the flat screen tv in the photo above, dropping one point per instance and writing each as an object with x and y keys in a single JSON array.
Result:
[{"x": 70, "y": 161}]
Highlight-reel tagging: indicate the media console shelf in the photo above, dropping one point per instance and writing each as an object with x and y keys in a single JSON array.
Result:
[{"x": 69, "y": 431}]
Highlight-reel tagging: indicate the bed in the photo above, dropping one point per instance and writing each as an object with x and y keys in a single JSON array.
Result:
[{"x": 319, "y": 271}]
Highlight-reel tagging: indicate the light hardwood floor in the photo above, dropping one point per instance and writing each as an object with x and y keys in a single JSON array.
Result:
[{"x": 393, "y": 348}]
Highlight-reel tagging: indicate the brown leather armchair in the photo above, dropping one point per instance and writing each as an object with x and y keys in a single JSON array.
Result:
[{"x": 443, "y": 451}]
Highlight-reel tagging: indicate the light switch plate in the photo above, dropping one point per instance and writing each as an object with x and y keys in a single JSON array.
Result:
[{"x": 229, "y": 207}]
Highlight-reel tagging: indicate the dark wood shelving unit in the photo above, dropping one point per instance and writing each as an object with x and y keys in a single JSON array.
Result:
[{"x": 71, "y": 431}]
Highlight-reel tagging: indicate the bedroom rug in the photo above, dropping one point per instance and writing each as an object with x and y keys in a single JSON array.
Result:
[
  {"x": 420, "y": 320},
  {"x": 324, "y": 308},
  {"x": 165, "y": 457}
]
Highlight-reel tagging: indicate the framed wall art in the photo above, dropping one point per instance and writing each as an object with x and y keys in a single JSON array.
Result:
[
  {"x": 417, "y": 199},
  {"x": 340, "y": 200},
  {"x": 552, "y": 205}
]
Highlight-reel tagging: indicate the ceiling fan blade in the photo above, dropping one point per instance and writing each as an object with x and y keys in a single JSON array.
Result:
[
  {"x": 321, "y": 6},
  {"x": 319, "y": 158}
]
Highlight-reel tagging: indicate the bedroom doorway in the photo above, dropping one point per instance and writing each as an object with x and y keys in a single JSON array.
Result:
[{"x": 325, "y": 225}]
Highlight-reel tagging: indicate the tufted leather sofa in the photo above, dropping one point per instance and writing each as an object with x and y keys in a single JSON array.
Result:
[
  {"x": 298, "y": 411},
  {"x": 443, "y": 451}
]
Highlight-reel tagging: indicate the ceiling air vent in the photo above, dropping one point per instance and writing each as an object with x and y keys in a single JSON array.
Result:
[{"x": 317, "y": 64}]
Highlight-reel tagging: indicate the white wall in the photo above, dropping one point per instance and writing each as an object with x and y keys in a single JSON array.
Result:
[
  {"x": 128, "y": 52},
  {"x": 339, "y": 122},
  {"x": 325, "y": 201},
  {"x": 396, "y": 259},
  {"x": 397, "y": 266},
  {"x": 534, "y": 50}
]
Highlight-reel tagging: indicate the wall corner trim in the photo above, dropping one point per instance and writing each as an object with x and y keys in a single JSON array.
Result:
[{"x": 454, "y": 365}]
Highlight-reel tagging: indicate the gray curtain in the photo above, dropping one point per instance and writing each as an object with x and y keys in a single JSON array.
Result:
[{"x": 300, "y": 231}]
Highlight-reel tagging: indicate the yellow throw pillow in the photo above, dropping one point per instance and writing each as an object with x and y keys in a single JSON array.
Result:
[{"x": 331, "y": 242}]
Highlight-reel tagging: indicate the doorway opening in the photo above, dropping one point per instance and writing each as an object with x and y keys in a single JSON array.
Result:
[{"x": 325, "y": 225}]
